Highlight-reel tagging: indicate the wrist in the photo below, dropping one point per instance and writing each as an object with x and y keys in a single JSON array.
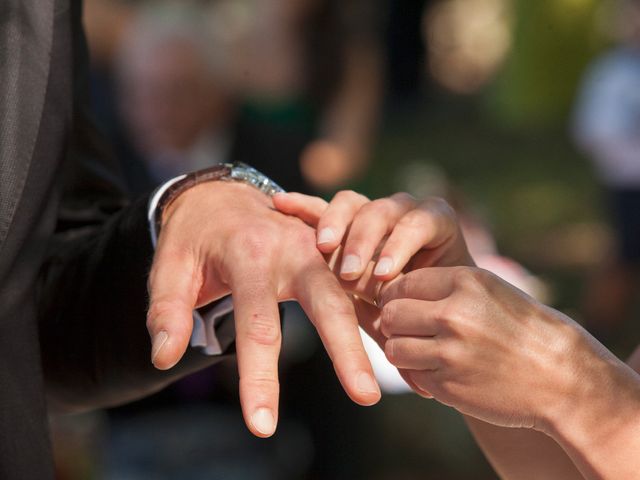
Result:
[
  {"x": 232, "y": 173},
  {"x": 213, "y": 196},
  {"x": 603, "y": 401},
  {"x": 602, "y": 435}
]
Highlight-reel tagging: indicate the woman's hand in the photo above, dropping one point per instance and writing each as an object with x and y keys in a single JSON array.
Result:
[
  {"x": 368, "y": 242},
  {"x": 478, "y": 344},
  {"x": 398, "y": 233}
]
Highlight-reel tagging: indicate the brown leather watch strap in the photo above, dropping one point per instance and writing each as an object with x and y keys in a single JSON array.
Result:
[
  {"x": 236, "y": 172},
  {"x": 217, "y": 172}
]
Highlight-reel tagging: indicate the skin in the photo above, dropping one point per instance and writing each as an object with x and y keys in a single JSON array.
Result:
[
  {"x": 219, "y": 238},
  {"x": 543, "y": 398},
  {"x": 480, "y": 345}
]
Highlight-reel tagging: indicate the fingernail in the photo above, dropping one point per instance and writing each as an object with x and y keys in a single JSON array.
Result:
[
  {"x": 159, "y": 339},
  {"x": 384, "y": 266},
  {"x": 366, "y": 383},
  {"x": 350, "y": 264},
  {"x": 326, "y": 235},
  {"x": 424, "y": 393},
  {"x": 263, "y": 421}
]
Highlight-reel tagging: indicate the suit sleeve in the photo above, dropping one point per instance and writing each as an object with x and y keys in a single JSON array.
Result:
[{"x": 92, "y": 289}]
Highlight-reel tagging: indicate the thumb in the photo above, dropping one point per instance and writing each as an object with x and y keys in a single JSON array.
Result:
[{"x": 173, "y": 292}]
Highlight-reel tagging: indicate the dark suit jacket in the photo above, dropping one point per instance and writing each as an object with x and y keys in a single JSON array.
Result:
[{"x": 73, "y": 255}]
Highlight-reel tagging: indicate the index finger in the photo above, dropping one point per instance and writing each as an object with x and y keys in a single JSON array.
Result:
[
  {"x": 258, "y": 339},
  {"x": 333, "y": 315}
]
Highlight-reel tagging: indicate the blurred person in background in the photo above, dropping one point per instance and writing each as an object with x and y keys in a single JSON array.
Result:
[
  {"x": 86, "y": 323},
  {"x": 308, "y": 75},
  {"x": 311, "y": 73},
  {"x": 607, "y": 128},
  {"x": 174, "y": 92}
]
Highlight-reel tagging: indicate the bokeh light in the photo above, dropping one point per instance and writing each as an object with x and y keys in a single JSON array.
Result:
[{"x": 467, "y": 41}]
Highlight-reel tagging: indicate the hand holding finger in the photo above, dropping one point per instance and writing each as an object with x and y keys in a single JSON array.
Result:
[
  {"x": 369, "y": 319},
  {"x": 337, "y": 218},
  {"x": 436, "y": 283},
  {"x": 433, "y": 227},
  {"x": 372, "y": 223}
]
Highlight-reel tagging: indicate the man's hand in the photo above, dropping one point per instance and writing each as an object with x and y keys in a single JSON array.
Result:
[{"x": 219, "y": 238}]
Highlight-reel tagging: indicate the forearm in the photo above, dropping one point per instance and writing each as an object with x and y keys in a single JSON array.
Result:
[
  {"x": 522, "y": 454},
  {"x": 602, "y": 433},
  {"x": 598, "y": 438}
]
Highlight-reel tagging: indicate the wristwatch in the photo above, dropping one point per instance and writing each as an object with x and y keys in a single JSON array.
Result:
[{"x": 225, "y": 172}]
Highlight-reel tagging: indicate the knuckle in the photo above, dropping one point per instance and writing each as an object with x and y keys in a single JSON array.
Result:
[
  {"x": 256, "y": 244},
  {"x": 390, "y": 351},
  {"x": 483, "y": 280},
  {"x": 263, "y": 330},
  {"x": 261, "y": 380},
  {"x": 349, "y": 196},
  {"x": 441, "y": 206},
  {"x": 404, "y": 198},
  {"x": 387, "y": 316},
  {"x": 445, "y": 357},
  {"x": 568, "y": 339},
  {"x": 415, "y": 219},
  {"x": 351, "y": 353},
  {"x": 468, "y": 277},
  {"x": 380, "y": 207},
  {"x": 161, "y": 308},
  {"x": 450, "y": 318},
  {"x": 407, "y": 285},
  {"x": 338, "y": 305},
  {"x": 164, "y": 254},
  {"x": 440, "y": 212},
  {"x": 305, "y": 237}
]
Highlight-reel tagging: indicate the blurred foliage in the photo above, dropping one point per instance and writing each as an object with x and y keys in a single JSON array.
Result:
[
  {"x": 522, "y": 182},
  {"x": 553, "y": 41},
  {"x": 525, "y": 184},
  {"x": 412, "y": 438}
]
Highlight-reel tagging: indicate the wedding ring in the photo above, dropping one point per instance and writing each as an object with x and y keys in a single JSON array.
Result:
[{"x": 376, "y": 295}]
